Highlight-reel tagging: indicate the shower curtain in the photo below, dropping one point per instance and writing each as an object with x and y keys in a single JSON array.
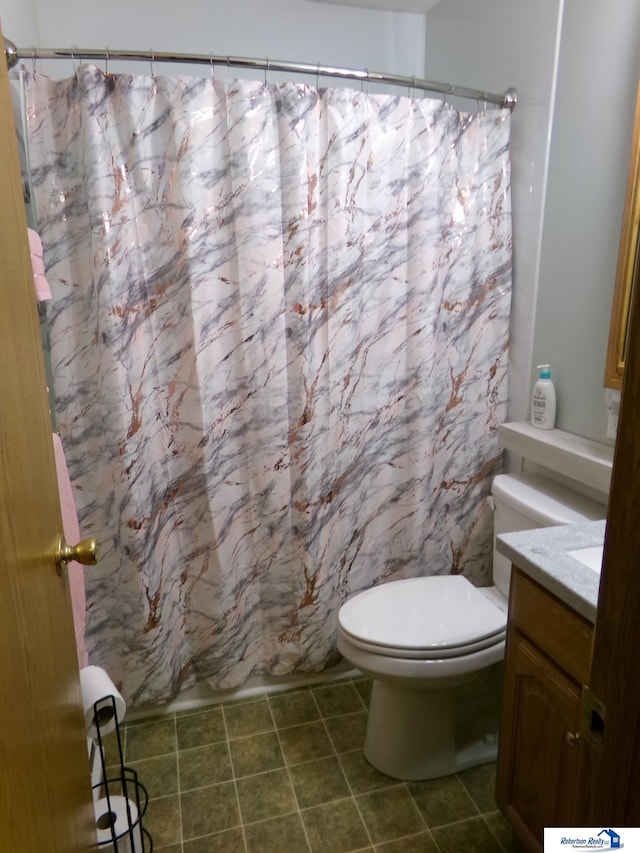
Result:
[{"x": 279, "y": 336}]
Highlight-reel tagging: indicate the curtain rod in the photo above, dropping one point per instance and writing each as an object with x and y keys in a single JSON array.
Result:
[{"x": 15, "y": 54}]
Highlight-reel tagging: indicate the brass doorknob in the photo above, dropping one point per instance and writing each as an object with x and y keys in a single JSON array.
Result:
[{"x": 85, "y": 552}]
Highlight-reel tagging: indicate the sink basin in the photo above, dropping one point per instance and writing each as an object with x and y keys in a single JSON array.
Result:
[{"x": 590, "y": 557}]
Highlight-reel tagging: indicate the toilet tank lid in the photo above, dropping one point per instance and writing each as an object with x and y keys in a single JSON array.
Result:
[{"x": 544, "y": 501}]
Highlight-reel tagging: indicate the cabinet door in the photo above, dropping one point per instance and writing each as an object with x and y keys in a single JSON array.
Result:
[{"x": 539, "y": 759}]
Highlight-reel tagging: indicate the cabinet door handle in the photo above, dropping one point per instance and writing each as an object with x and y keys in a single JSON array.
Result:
[{"x": 572, "y": 738}]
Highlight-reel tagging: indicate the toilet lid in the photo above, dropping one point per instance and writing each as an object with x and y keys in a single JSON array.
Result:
[{"x": 422, "y": 614}]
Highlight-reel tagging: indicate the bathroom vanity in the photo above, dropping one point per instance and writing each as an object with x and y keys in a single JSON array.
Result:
[{"x": 552, "y": 606}]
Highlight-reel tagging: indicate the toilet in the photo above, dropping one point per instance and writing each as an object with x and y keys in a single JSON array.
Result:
[{"x": 434, "y": 646}]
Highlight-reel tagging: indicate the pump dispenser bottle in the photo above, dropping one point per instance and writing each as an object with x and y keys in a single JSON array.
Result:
[{"x": 543, "y": 400}]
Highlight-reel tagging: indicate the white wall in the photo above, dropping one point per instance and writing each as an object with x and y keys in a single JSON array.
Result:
[
  {"x": 493, "y": 45},
  {"x": 18, "y": 19},
  {"x": 294, "y": 30},
  {"x": 571, "y": 137},
  {"x": 592, "y": 127}
]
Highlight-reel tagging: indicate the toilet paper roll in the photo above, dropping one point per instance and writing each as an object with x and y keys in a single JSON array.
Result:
[
  {"x": 95, "y": 685},
  {"x": 112, "y": 815}
]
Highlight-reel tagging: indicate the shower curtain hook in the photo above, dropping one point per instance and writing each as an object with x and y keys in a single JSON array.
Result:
[
  {"x": 267, "y": 77},
  {"x": 211, "y": 64},
  {"x": 73, "y": 60},
  {"x": 34, "y": 58},
  {"x": 106, "y": 62},
  {"x": 153, "y": 63},
  {"x": 318, "y": 75},
  {"x": 412, "y": 86}
]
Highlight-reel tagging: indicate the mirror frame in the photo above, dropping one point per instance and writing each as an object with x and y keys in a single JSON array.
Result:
[{"x": 628, "y": 269}]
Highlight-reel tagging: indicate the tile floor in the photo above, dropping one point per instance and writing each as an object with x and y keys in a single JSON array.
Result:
[{"x": 285, "y": 772}]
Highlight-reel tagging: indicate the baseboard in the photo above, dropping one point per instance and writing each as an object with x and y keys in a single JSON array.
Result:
[{"x": 202, "y": 695}]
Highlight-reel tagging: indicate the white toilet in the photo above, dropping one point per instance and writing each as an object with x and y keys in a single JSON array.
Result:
[{"x": 434, "y": 646}]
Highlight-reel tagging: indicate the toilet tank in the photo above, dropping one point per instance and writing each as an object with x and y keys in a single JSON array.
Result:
[{"x": 526, "y": 501}]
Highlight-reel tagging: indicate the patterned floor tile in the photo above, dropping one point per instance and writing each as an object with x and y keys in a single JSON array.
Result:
[
  {"x": 256, "y": 754},
  {"x": 480, "y": 783},
  {"x": 230, "y": 841},
  {"x": 341, "y": 698},
  {"x": 335, "y": 828},
  {"x": 472, "y": 836},
  {"x": 265, "y": 796},
  {"x": 420, "y": 843},
  {"x": 209, "y": 810},
  {"x": 293, "y": 708},
  {"x": 148, "y": 739},
  {"x": 362, "y": 777},
  {"x": 200, "y": 728},
  {"x": 317, "y": 782},
  {"x": 286, "y": 772},
  {"x": 248, "y": 718},
  {"x": 501, "y": 830},
  {"x": 162, "y": 820},
  {"x": 305, "y": 743},
  {"x": 277, "y": 835},
  {"x": 159, "y": 775},
  {"x": 204, "y": 765},
  {"x": 347, "y": 731},
  {"x": 390, "y": 813},
  {"x": 442, "y": 801}
]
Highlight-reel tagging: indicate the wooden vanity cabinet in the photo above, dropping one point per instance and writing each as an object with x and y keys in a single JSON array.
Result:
[{"x": 540, "y": 757}]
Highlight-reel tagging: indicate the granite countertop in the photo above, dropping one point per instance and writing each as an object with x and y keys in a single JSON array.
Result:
[{"x": 542, "y": 554}]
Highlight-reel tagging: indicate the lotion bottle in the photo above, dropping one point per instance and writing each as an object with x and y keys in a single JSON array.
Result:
[{"x": 543, "y": 400}]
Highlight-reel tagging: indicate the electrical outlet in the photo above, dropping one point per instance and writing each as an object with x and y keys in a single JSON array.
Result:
[{"x": 612, "y": 399}]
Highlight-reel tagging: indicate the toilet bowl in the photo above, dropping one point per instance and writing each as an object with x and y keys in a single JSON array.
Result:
[{"x": 434, "y": 646}]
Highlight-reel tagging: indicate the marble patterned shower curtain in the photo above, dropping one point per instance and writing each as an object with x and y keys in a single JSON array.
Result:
[{"x": 279, "y": 339}]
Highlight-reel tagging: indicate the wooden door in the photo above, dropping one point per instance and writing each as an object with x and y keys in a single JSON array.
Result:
[
  {"x": 612, "y": 789},
  {"x": 45, "y": 789}
]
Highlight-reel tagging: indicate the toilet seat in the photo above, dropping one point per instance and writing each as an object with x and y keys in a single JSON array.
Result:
[
  {"x": 425, "y": 654},
  {"x": 423, "y": 619}
]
